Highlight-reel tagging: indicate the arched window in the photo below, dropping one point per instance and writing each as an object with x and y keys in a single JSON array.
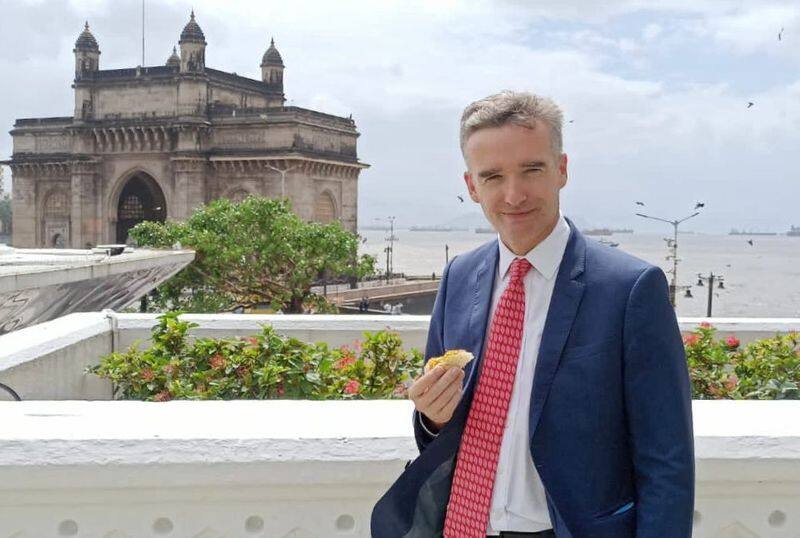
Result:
[
  {"x": 56, "y": 205},
  {"x": 325, "y": 208}
]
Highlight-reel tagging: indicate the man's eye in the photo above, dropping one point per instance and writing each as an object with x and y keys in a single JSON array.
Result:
[{"x": 533, "y": 170}]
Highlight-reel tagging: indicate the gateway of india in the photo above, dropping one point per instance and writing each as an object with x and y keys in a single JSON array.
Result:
[{"x": 153, "y": 143}]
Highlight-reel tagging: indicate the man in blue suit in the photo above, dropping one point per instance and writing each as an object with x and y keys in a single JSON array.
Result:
[{"x": 595, "y": 437}]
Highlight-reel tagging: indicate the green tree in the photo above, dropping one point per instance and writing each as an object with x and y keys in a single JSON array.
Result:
[
  {"x": 5, "y": 207},
  {"x": 255, "y": 252}
]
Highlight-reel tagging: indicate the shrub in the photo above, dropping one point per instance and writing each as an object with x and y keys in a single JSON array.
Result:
[
  {"x": 767, "y": 369},
  {"x": 265, "y": 366}
]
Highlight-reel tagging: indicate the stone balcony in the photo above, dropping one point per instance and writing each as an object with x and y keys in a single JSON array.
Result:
[{"x": 113, "y": 469}]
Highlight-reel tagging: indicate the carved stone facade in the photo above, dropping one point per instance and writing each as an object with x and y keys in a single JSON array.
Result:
[{"x": 151, "y": 143}]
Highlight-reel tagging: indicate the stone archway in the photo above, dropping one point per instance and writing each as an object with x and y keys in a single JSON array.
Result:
[{"x": 141, "y": 199}]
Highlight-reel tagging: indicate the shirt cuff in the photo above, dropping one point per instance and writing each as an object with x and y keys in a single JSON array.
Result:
[{"x": 424, "y": 427}]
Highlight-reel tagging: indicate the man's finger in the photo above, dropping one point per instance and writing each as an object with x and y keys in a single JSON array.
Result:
[
  {"x": 423, "y": 382},
  {"x": 441, "y": 403},
  {"x": 429, "y": 396},
  {"x": 450, "y": 406}
]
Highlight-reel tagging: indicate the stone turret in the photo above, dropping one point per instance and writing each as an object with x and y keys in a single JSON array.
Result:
[
  {"x": 272, "y": 68},
  {"x": 87, "y": 53},
  {"x": 174, "y": 60},
  {"x": 193, "y": 47}
]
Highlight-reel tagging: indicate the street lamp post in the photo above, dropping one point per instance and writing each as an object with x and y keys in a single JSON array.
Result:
[
  {"x": 391, "y": 238},
  {"x": 711, "y": 278},
  {"x": 283, "y": 172},
  {"x": 674, "y": 248}
]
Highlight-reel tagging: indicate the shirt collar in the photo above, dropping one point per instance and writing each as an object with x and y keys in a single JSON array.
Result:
[{"x": 544, "y": 257}]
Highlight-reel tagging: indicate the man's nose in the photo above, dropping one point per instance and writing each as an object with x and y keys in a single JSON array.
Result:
[{"x": 515, "y": 192}]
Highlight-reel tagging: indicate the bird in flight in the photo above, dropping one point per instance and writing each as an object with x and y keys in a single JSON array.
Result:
[
  {"x": 571, "y": 121},
  {"x": 640, "y": 203},
  {"x": 750, "y": 104},
  {"x": 750, "y": 242},
  {"x": 460, "y": 198},
  {"x": 780, "y": 34},
  {"x": 698, "y": 205}
]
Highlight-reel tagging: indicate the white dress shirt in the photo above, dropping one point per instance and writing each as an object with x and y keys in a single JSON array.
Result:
[{"x": 518, "y": 498}]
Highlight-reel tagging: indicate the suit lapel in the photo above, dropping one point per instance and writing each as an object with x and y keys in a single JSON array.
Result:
[
  {"x": 482, "y": 285},
  {"x": 564, "y": 304},
  {"x": 567, "y": 295}
]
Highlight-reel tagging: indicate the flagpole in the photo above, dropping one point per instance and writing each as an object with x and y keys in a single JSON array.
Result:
[{"x": 143, "y": 33}]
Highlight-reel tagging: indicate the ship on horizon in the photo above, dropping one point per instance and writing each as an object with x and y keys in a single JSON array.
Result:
[
  {"x": 607, "y": 231},
  {"x": 734, "y": 231},
  {"x": 439, "y": 228},
  {"x": 794, "y": 231}
]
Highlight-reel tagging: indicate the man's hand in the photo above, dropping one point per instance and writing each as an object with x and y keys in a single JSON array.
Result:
[{"x": 437, "y": 393}]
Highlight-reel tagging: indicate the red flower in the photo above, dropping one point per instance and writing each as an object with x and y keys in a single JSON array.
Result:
[
  {"x": 253, "y": 341},
  {"x": 217, "y": 362},
  {"x": 242, "y": 371},
  {"x": 148, "y": 375},
  {"x": 732, "y": 342},
  {"x": 690, "y": 339},
  {"x": 705, "y": 325},
  {"x": 280, "y": 390},
  {"x": 344, "y": 362},
  {"x": 163, "y": 396},
  {"x": 352, "y": 386}
]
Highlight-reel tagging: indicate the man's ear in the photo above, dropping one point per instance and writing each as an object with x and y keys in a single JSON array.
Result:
[
  {"x": 473, "y": 193},
  {"x": 562, "y": 168}
]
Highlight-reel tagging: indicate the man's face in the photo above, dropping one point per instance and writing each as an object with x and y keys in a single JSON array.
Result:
[{"x": 513, "y": 173}]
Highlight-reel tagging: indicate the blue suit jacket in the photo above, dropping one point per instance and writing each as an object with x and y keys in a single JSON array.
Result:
[{"x": 610, "y": 414}]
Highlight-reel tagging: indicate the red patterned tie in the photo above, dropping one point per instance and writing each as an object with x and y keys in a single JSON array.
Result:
[{"x": 476, "y": 465}]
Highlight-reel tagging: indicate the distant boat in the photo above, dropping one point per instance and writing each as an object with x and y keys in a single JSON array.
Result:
[
  {"x": 794, "y": 231},
  {"x": 598, "y": 231},
  {"x": 604, "y": 241},
  {"x": 607, "y": 231},
  {"x": 734, "y": 231},
  {"x": 485, "y": 230},
  {"x": 437, "y": 229}
]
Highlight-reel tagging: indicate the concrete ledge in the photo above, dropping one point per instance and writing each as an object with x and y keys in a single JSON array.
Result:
[
  {"x": 292, "y": 469},
  {"x": 107, "y": 433}
]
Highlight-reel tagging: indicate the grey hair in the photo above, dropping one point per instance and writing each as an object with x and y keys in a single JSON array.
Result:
[{"x": 518, "y": 108}]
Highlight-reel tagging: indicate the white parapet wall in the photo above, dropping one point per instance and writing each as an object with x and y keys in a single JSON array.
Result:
[
  {"x": 299, "y": 469},
  {"x": 294, "y": 469},
  {"x": 48, "y": 361}
]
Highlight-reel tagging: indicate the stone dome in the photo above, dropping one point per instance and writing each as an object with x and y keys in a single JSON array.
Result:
[
  {"x": 174, "y": 60},
  {"x": 272, "y": 56},
  {"x": 86, "y": 41},
  {"x": 192, "y": 33}
]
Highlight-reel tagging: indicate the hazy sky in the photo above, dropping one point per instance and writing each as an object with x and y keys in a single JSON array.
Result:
[{"x": 658, "y": 96}]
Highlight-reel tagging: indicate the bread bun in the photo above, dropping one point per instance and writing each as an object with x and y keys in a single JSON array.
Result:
[{"x": 455, "y": 358}]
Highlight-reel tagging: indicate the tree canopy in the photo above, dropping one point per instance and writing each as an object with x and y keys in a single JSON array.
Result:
[{"x": 256, "y": 252}]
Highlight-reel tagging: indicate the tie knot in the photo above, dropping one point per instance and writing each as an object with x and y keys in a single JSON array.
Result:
[{"x": 520, "y": 268}]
